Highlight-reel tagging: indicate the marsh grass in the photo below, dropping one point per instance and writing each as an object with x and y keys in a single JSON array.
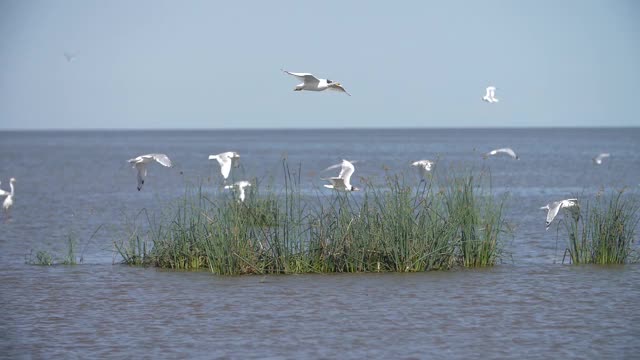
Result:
[
  {"x": 604, "y": 231},
  {"x": 393, "y": 227}
]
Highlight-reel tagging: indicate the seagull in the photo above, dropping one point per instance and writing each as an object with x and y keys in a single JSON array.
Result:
[
  {"x": 490, "y": 96},
  {"x": 598, "y": 159},
  {"x": 343, "y": 180},
  {"x": 226, "y": 160},
  {"x": 140, "y": 163},
  {"x": 424, "y": 166},
  {"x": 69, "y": 56},
  {"x": 555, "y": 206},
  {"x": 312, "y": 83},
  {"x": 507, "y": 151},
  {"x": 241, "y": 185},
  {"x": 8, "y": 201}
]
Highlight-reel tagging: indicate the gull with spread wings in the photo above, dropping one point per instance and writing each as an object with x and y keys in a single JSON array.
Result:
[
  {"x": 140, "y": 163},
  {"x": 312, "y": 83}
]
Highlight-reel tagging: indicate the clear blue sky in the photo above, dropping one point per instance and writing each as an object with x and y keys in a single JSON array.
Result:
[{"x": 216, "y": 64}]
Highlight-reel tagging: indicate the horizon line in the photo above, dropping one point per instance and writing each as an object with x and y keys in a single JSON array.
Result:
[{"x": 323, "y": 128}]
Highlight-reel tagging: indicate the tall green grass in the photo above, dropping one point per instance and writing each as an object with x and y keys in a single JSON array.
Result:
[
  {"x": 604, "y": 231},
  {"x": 392, "y": 227}
]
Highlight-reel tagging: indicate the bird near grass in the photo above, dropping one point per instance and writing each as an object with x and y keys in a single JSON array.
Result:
[
  {"x": 226, "y": 160},
  {"x": 423, "y": 166},
  {"x": 506, "y": 151},
  {"x": 554, "y": 207},
  {"x": 140, "y": 163},
  {"x": 240, "y": 187},
  {"x": 343, "y": 180}
]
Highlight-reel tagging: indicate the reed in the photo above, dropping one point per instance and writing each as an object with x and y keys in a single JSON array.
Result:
[
  {"x": 393, "y": 227},
  {"x": 604, "y": 231}
]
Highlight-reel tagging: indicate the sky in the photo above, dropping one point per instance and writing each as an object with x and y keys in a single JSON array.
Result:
[{"x": 216, "y": 64}]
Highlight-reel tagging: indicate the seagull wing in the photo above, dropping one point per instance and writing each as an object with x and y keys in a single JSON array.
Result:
[
  {"x": 162, "y": 159},
  {"x": 553, "y": 211},
  {"x": 509, "y": 152},
  {"x": 338, "y": 87},
  {"x": 338, "y": 182},
  {"x": 307, "y": 78},
  {"x": 346, "y": 171}
]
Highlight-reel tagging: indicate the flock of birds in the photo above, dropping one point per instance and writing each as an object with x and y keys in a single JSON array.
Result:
[{"x": 342, "y": 182}]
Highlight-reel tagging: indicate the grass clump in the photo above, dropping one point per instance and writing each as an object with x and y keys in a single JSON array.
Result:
[
  {"x": 604, "y": 231},
  {"x": 393, "y": 227}
]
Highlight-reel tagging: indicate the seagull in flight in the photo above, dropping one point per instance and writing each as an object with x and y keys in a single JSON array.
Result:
[
  {"x": 343, "y": 180},
  {"x": 240, "y": 185},
  {"x": 8, "y": 201},
  {"x": 226, "y": 160},
  {"x": 490, "y": 96},
  {"x": 312, "y": 83},
  {"x": 507, "y": 151},
  {"x": 555, "y": 206},
  {"x": 140, "y": 163},
  {"x": 423, "y": 166},
  {"x": 598, "y": 159},
  {"x": 69, "y": 56}
]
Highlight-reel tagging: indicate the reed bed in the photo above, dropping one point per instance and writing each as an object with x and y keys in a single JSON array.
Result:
[
  {"x": 393, "y": 227},
  {"x": 604, "y": 231}
]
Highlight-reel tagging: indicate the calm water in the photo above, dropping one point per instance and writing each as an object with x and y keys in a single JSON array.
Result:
[{"x": 70, "y": 184}]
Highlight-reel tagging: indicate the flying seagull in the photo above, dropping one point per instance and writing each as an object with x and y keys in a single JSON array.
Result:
[
  {"x": 507, "y": 151},
  {"x": 8, "y": 201},
  {"x": 240, "y": 185},
  {"x": 140, "y": 163},
  {"x": 490, "y": 96},
  {"x": 343, "y": 180},
  {"x": 424, "y": 166},
  {"x": 555, "y": 206},
  {"x": 598, "y": 159},
  {"x": 312, "y": 83},
  {"x": 226, "y": 160},
  {"x": 69, "y": 56}
]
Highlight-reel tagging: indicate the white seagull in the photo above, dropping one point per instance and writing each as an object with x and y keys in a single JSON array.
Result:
[
  {"x": 555, "y": 206},
  {"x": 240, "y": 185},
  {"x": 598, "y": 159},
  {"x": 8, "y": 201},
  {"x": 343, "y": 180},
  {"x": 507, "y": 151},
  {"x": 312, "y": 83},
  {"x": 140, "y": 163},
  {"x": 490, "y": 96},
  {"x": 226, "y": 160},
  {"x": 424, "y": 166}
]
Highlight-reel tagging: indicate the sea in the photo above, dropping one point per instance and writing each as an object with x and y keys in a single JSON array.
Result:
[{"x": 77, "y": 187}]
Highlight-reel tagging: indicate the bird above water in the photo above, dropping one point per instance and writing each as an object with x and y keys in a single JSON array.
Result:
[
  {"x": 554, "y": 207},
  {"x": 598, "y": 159},
  {"x": 226, "y": 160},
  {"x": 507, "y": 151},
  {"x": 490, "y": 96},
  {"x": 423, "y": 166},
  {"x": 312, "y": 83},
  {"x": 140, "y": 163},
  {"x": 240, "y": 185},
  {"x": 343, "y": 180}
]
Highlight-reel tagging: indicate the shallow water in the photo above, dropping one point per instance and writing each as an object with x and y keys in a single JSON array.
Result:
[{"x": 71, "y": 184}]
